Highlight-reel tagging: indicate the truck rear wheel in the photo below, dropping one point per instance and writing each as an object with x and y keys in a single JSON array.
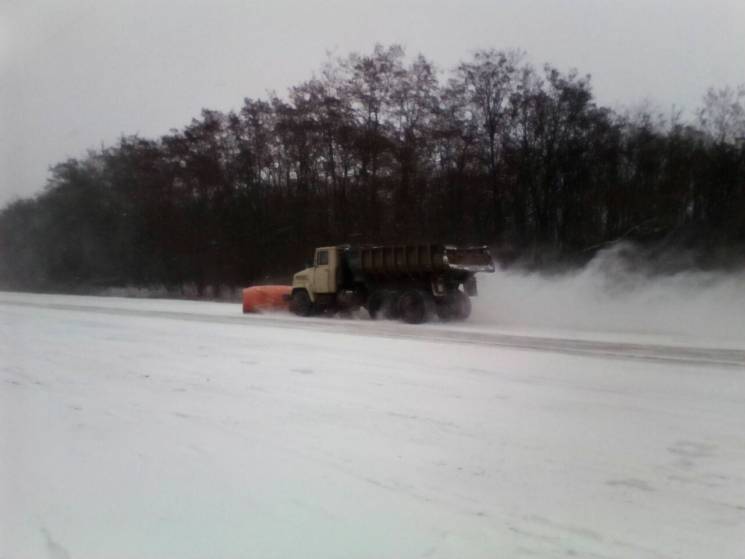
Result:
[
  {"x": 461, "y": 304},
  {"x": 456, "y": 305},
  {"x": 415, "y": 306},
  {"x": 300, "y": 303}
]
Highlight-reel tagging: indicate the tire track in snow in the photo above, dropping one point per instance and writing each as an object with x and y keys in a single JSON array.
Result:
[{"x": 688, "y": 355}]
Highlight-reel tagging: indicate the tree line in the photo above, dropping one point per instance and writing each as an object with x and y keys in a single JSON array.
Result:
[{"x": 381, "y": 148}]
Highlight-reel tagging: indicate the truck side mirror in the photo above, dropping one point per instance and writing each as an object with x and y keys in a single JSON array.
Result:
[{"x": 308, "y": 263}]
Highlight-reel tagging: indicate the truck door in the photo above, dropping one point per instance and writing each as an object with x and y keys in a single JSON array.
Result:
[{"x": 321, "y": 274}]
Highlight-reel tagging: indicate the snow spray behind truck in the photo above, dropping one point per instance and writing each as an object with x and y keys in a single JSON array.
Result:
[{"x": 410, "y": 282}]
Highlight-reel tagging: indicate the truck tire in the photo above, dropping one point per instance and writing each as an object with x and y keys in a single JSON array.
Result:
[
  {"x": 444, "y": 309},
  {"x": 381, "y": 304},
  {"x": 456, "y": 305},
  {"x": 300, "y": 303},
  {"x": 415, "y": 306}
]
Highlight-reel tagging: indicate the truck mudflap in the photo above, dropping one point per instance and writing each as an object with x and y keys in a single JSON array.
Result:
[{"x": 469, "y": 286}]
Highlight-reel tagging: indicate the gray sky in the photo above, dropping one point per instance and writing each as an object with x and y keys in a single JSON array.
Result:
[{"x": 78, "y": 73}]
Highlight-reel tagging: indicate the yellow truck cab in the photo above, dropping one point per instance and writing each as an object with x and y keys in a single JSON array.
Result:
[{"x": 321, "y": 278}]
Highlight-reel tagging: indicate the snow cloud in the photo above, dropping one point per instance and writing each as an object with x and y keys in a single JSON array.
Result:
[{"x": 618, "y": 291}]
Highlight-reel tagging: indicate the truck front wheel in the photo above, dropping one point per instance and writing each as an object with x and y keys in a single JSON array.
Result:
[{"x": 300, "y": 303}]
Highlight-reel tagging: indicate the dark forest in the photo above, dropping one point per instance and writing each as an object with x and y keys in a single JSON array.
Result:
[{"x": 383, "y": 148}]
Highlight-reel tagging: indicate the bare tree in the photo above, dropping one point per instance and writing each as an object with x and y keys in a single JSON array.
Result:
[
  {"x": 488, "y": 81},
  {"x": 723, "y": 114}
]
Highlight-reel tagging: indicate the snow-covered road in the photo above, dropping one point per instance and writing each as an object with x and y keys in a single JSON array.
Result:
[{"x": 138, "y": 428}]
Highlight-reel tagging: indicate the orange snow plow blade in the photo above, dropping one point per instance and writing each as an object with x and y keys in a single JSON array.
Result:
[{"x": 262, "y": 298}]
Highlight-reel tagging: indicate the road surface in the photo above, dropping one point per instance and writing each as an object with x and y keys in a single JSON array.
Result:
[{"x": 144, "y": 428}]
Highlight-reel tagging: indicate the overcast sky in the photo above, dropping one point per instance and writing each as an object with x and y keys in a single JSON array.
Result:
[{"x": 78, "y": 73}]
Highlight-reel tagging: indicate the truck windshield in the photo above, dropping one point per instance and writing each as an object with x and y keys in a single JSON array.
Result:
[{"x": 322, "y": 258}]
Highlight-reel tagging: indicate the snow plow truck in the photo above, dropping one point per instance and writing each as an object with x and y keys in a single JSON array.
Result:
[{"x": 413, "y": 283}]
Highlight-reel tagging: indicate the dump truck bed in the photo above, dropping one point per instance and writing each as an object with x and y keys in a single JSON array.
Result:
[{"x": 417, "y": 259}]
